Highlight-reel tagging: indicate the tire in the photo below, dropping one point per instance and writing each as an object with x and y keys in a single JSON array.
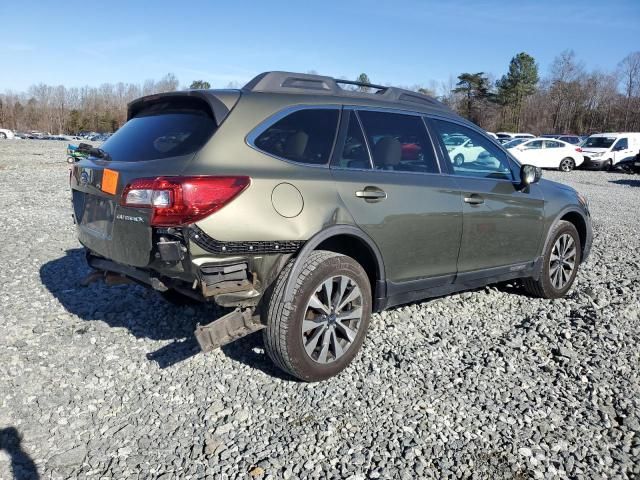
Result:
[
  {"x": 458, "y": 160},
  {"x": 3, "y": 136},
  {"x": 567, "y": 164},
  {"x": 548, "y": 286},
  {"x": 284, "y": 338},
  {"x": 178, "y": 299},
  {"x": 607, "y": 166}
]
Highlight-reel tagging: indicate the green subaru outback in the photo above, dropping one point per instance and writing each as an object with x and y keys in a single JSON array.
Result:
[{"x": 305, "y": 203}]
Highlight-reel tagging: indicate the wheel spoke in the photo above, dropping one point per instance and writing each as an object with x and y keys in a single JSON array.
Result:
[
  {"x": 354, "y": 294},
  {"x": 355, "y": 313},
  {"x": 344, "y": 283},
  {"x": 308, "y": 325},
  {"x": 337, "y": 348},
  {"x": 326, "y": 340},
  {"x": 314, "y": 302},
  {"x": 311, "y": 345},
  {"x": 327, "y": 288},
  {"x": 351, "y": 334}
]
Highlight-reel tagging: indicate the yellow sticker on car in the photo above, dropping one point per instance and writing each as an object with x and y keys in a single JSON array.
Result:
[{"x": 109, "y": 181}]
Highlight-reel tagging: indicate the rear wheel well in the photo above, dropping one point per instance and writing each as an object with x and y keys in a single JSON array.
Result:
[
  {"x": 358, "y": 250},
  {"x": 576, "y": 219}
]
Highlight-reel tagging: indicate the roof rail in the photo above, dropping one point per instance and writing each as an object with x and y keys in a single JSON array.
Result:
[{"x": 301, "y": 83}]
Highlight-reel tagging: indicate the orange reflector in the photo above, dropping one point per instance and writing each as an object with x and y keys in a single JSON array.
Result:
[{"x": 109, "y": 181}]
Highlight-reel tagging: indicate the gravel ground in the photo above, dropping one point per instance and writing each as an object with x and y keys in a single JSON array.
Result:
[{"x": 107, "y": 382}]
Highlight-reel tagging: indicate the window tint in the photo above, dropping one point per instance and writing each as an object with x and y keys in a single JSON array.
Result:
[
  {"x": 536, "y": 144},
  {"x": 158, "y": 136},
  {"x": 622, "y": 144},
  {"x": 552, "y": 144},
  {"x": 354, "y": 153},
  {"x": 572, "y": 140},
  {"x": 305, "y": 136},
  {"x": 478, "y": 157},
  {"x": 398, "y": 142}
]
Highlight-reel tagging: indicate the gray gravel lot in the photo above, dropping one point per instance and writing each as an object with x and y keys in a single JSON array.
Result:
[{"x": 107, "y": 382}]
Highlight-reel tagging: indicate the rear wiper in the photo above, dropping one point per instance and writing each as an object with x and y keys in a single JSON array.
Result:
[{"x": 100, "y": 153}]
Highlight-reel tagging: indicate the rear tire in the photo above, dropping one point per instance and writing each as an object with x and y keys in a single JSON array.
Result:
[
  {"x": 567, "y": 164},
  {"x": 314, "y": 338},
  {"x": 560, "y": 263}
]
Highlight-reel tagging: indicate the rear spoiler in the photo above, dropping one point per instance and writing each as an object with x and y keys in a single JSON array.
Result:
[{"x": 219, "y": 101}]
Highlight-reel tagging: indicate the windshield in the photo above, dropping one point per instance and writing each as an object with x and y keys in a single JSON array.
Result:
[
  {"x": 599, "y": 142},
  {"x": 514, "y": 143},
  {"x": 158, "y": 136}
]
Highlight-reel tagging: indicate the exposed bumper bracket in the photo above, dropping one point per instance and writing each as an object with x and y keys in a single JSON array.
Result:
[{"x": 227, "y": 329}]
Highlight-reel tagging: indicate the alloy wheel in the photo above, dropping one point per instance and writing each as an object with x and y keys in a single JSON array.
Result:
[
  {"x": 562, "y": 261},
  {"x": 566, "y": 165},
  {"x": 332, "y": 319}
]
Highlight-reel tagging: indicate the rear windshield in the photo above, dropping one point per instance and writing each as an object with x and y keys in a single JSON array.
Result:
[
  {"x": 153, "y": 136},
  {"x": 599, "y": 142}
]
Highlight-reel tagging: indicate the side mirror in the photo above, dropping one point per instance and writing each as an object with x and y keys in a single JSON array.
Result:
[{"x": 529, "y": 175}]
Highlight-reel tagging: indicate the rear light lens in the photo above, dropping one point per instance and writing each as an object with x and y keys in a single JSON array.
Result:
[
  {"x": 578, "y": 149},
  {"x": 182, "y": 200}
]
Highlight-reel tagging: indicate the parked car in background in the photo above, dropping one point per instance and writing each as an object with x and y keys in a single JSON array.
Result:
[
  {"x": 462, "y": 149},
  {"x": 604, "y": 150},
  {"x": 514, "y": 142},
  {"x": 572, "y": 139},
  {"x": 629, "y": 164},
  {"x": 293, "y": 201},
  {"x": 492, "y": 135},
  {"x": 548, "y": 153},
  {"x": 6, "y": 134},
  {"x": 510, "y": 135}
]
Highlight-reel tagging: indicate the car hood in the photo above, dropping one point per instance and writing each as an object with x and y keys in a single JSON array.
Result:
[{"x": 550, "y": 184}]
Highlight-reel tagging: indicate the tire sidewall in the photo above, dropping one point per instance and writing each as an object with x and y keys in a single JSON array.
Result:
[
  {"x": 561, "y": 229},
  {"x": 569, "y": 162},
  {"x": 305, "y": 367}
]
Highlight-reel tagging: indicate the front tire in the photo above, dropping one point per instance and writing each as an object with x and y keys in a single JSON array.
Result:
[
  {"x": 567, "y": 164},
  {"x": 458, "y": 160},
  {"x": 321, "y": 330},
  {"x": 3, "y": 136},
  {"x": 607, "y": 166},
  {"x": 560, "y": 263}
]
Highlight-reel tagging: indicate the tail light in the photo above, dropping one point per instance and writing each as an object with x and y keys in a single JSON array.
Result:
[
  {"x": 578, "y": 149},
  {"x": 182, "y": 200}
]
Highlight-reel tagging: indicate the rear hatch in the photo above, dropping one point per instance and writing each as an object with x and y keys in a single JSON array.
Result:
[{"x": 161, "y": 137}]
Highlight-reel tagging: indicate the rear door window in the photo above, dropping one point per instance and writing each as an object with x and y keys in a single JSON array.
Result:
[
  {"x": 398, "y": 142},
  {"x": 159, "y": 135},
  {"x": 305, "y": 136}
]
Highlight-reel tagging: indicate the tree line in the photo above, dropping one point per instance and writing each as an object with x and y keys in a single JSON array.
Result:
[{"x": 569, "y": 99}]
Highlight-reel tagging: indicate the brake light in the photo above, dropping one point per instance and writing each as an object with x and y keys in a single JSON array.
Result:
[
  {"x": 182, "y": 200},
  {"x": 578, "y": 149}
]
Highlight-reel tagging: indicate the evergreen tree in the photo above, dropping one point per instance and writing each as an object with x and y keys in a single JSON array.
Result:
[
  {"x": 474, "y": 87},
  {"x": 515, "y": 86},
  {"x": 200, "y": 85}
]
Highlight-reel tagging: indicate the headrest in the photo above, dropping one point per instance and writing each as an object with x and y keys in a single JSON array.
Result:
[
  {"x": 387, "y": 152},
  {"x": 296, "y": 145}
]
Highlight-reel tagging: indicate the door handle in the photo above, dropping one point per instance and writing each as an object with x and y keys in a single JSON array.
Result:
[
  {"x": 474, "y": 199},
  {"x": 371, "y": 193}
]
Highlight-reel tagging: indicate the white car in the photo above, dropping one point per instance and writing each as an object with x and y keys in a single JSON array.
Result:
[
  {"x": 604, "y": 150},
  {"x": 461, "y": 149},
  {"x": 546, "y": 153},
  {"x": 6, "y": 134}
]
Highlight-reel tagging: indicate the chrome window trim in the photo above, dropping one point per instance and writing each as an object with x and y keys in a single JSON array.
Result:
[{"x": 259, "y": 129}]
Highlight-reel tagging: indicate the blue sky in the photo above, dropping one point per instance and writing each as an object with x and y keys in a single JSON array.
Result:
[{"x": 403, "y": 42}]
